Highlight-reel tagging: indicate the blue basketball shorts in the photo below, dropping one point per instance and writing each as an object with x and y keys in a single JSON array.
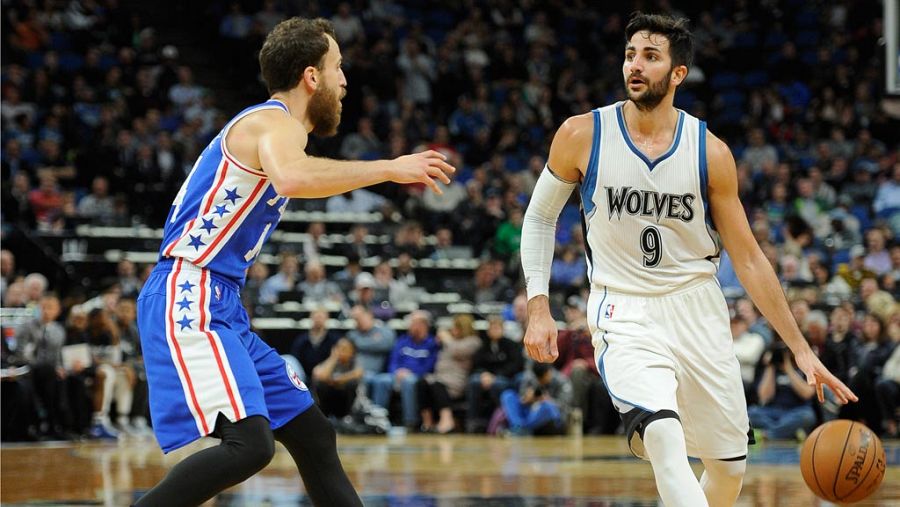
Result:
[{"x": 203, "y": 360}]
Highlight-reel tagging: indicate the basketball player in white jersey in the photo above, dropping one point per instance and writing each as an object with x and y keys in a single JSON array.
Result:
[{"x": 659, "y": 195}]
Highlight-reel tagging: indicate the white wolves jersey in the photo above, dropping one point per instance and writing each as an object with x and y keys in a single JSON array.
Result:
[
  {"x": 647, "y": 223},
  {"x": 224, "y": 211}
]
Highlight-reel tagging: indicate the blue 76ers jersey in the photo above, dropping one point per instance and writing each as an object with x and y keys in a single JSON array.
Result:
[{"x": 224, "y": 211}]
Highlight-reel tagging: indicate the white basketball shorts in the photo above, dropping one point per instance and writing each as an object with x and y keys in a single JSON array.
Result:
[{"x": 672, "y": 356}]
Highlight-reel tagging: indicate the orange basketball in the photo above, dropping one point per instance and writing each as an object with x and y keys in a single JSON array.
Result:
[{"x": 842, "y": 461}]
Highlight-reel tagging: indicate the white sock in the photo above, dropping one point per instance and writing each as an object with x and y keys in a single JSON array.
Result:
[
  {"x": 722, "y": 481},
  {"x": 124, "y": 394},
  {"x": 109, "y": 381},
  {"x": 675, "y": 481}
]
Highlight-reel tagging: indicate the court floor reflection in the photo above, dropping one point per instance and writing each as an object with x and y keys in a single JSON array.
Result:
[{"x": 417, "y": 470}]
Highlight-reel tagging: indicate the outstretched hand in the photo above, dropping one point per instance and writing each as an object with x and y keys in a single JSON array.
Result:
[
  {"x": 424, "y": 167},
  {"x": 818, "y": 375}
]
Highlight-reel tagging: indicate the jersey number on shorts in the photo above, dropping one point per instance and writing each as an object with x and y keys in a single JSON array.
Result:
[{"x": 651, "y": 245}]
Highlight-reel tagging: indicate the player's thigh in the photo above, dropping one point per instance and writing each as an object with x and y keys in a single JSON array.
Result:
[
  {"x": 710, "y": 388},
  {"x": 286, "y": 394},
  {"x": 631, "y": 353},
  {"x": 196, "y": 367}
]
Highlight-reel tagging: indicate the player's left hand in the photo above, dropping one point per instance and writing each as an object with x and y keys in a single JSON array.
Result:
[{"x": 818, "y": 375}]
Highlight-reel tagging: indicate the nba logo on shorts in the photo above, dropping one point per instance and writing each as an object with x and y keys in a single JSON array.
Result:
[
  {"x": 295, "y": 379},
  {"x": 610, "y": 308}
]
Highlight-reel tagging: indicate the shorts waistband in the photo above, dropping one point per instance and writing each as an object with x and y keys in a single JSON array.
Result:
[
  {"x": 168, "y": 264},
  {"x": 693, "y": 284}
]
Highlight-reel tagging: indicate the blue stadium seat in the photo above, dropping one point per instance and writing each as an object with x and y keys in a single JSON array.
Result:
[
  {"x": 731, "y": 116},
  {"x": 437, "y": 35},
  {"x": 861, "y": 212},
  {"x": 756, "y": 79},
  {"x": 70, "y": 62},
  {"x": 571, "y": 215},
  {"x": 746, "y": 40},
  {"x": 733, "y": 99},
  {"x": 441, "y": 18},
  {"x": 34, "y": 60},
  {"x": 724, "y": 80},
  {"x": 839, "y": 257},
  {"x": 107, "y": 61},
  {"x": 809, "y": 57},
  {"x": 59, "y": 41},
  {"x": 775, "y": 40},
  {"x": 807, "y": 18},
  {"x": 807, "y": 38},
  {"x": 796, "y": 94},
  {"x": 685, "y": 100}
]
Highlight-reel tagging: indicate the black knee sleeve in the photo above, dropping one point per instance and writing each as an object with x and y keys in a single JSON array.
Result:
[
  {"x": 247, "y": 447},
  {"x": 248, "y": 442},
  {"x": 636, "y": 421}
]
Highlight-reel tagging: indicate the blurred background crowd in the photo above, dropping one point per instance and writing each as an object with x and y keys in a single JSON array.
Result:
[{"x": 105, "y": 108}]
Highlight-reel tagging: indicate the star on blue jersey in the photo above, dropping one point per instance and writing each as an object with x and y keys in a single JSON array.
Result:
[
  {"x": 185, "y": 304},
  {"x": 187, "y": 286},
  {"x": 185, "y": 322},
  {"x": 195, "y": 242},
  {"x": 237, "y": 209},
  {"x": 208, "y": 225},
  {"x": 232, "y": 195}
]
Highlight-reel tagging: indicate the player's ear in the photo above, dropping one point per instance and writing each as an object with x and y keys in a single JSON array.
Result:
[
  {"x": 679, "y": 73},
  {"x": 310, "y": 78}
]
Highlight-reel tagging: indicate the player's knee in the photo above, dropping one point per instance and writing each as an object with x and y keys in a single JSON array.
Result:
[
  {"x": 251, "y": 443},
  {"x": 258, "y": 452},
  {"x": 662, "y": 432},
  {"x": 727, "y": 475},
  {"x": 732, "y": 471}
]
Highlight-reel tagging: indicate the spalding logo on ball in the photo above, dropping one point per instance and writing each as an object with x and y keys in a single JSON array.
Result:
[
  {"x": 295, "y": 379},
  {"x": 843, "y": 461}
]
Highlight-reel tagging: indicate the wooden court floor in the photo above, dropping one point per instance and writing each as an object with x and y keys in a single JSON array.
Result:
[{"x": 416, "y": 470}]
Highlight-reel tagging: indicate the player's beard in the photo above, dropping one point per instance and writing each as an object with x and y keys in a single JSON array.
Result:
[
  {"x": 324, "y": 111},
  {"x": 652, "y": 96}
]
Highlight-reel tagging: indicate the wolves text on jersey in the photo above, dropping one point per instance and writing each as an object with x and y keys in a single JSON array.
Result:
[{"x": 649, "y": 203}]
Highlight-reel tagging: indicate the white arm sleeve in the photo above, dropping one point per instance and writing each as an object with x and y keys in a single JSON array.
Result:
[{"x": 539, "y": 230}]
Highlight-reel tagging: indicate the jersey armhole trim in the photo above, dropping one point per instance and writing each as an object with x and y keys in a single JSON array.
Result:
[
  {"x": 273, "y": 104},
  {"x": 704, "y": 172},
  {"x": 589, "y": 185}
]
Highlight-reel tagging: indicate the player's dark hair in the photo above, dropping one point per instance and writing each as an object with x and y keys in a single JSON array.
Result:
[
  {"x": 681, "y": 40},
  {"x": 291, "y": 47}
]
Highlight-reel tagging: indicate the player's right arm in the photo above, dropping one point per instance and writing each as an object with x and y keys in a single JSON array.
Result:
[
  {"x": 280, "y": 145},
  {"x": 564, "y": 170}
]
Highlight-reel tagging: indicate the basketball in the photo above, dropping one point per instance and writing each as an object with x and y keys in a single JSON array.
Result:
[{"x": 842, "y": 461}]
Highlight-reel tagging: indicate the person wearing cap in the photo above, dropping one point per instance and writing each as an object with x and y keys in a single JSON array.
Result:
[{"x": 364, "y": 294}]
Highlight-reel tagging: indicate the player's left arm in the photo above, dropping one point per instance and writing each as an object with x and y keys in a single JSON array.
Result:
[{"x": 754, "y": 270}]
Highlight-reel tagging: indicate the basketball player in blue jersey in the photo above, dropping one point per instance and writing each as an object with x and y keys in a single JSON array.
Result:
[
  {"x": 208, "y": 373},
  {"x": 659, "y": 195}
]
